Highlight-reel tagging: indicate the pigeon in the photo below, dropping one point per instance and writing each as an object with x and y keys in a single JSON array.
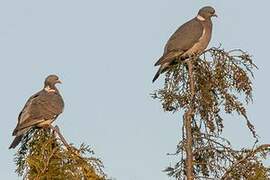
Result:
[
  {"x": 40, "y": 110},
  {"x": 189, "y": 40}
]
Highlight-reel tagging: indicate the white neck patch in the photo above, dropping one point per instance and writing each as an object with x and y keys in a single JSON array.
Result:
[
  {"x": 200, "y": 18},
  {"x": 48, "y": 89}
]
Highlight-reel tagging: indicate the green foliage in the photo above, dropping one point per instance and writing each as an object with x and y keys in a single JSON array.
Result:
[
  {"x": 43, "y": 156},
  {"x": 222, "y": 83}
]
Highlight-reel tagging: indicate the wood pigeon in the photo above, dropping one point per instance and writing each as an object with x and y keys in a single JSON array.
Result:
[
  {"x": 190, "y": 39},
  {"x": 40, "y": 110}
]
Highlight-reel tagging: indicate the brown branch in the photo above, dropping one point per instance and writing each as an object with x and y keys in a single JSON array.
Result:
[
  {"x": 252, "y": 153},
  {"x": 57, "y": 130},
  {"x": 74, "y": 151},
  {"x": 187, "y": 123}
]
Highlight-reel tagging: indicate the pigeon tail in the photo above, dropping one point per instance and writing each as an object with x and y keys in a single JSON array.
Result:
[
  {"x": 16, "y": 141},
  {"x": 156, "y": 76},
  {"x": 161, "y": 70},
  {"x": 14, "y": 132}
]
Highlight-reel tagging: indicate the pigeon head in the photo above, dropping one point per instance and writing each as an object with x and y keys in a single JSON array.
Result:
[
  {"x": 207, "y": 12},
  {"x": 50, "y": 81}
]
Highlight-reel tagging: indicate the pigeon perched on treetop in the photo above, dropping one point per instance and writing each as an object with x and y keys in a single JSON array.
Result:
[
  {"x": 40, "y": 110},
  {"x": 190, "y": 39}
]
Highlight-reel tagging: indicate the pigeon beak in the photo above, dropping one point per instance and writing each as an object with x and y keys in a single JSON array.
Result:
[
  {"x": 58, "y": 81},
  {"x": 214, "y": 15}
]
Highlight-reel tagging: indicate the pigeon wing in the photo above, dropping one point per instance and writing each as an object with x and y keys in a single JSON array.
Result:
[
  {"x": 24, "y": 114},
  {"x": 182, "y": 40},
  {"x": 40, "y": 107}
]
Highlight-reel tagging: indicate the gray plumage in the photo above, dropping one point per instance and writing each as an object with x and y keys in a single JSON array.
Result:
[
  {"x": 190, "y": 39},
  {"x": 40, "y": 110}
]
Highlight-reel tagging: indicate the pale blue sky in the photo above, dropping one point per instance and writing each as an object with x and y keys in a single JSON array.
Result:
[{"x": 104, "y": 52}]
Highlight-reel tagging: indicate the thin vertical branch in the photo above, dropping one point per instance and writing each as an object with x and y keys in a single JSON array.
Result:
[
  {"x": 57, "y": 130},
  {"x": 187, "y": 123}
]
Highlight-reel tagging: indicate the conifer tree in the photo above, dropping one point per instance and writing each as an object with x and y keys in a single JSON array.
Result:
[
  {"x": 44, "y": 154},
  {"x": 204, "y": 88}
]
